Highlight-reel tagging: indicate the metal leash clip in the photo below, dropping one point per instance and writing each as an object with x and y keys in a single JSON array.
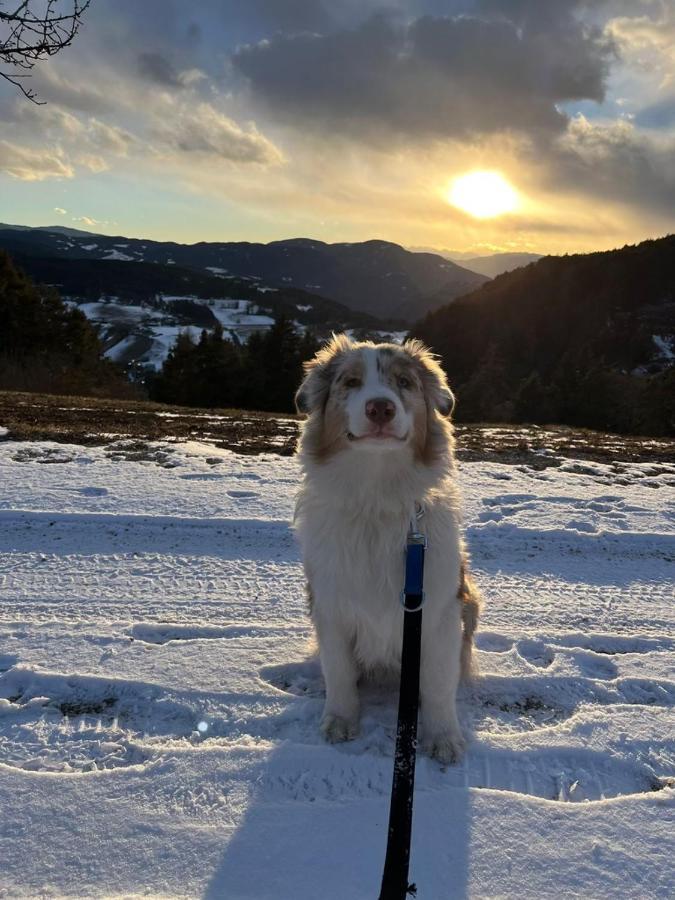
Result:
[{"x": 423, "y": 597}]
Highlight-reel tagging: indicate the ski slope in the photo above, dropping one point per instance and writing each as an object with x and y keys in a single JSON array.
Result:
[{"x": 159, "y": 700}]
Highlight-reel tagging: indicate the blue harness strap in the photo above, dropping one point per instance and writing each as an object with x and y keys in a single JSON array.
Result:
[{"x": 412, "y": 596}]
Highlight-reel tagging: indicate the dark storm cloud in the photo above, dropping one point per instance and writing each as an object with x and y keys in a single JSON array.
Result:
[
  {"x": 434, "y": 76},
  {"x": 157, "y": 68}
]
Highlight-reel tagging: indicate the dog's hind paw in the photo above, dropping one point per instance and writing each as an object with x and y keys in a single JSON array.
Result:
[
  {"x": 447, "y": 747},
  {"x": 335, "y": 729}
]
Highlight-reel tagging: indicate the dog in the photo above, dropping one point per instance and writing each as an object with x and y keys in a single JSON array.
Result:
[{"x": 377, "y": 451}]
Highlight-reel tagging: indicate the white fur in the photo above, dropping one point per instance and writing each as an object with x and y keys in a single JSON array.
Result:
[{"x": 352, "y": 516}]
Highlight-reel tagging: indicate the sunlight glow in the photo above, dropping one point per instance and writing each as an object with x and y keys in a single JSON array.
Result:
[{"x": 483, "y": 195}]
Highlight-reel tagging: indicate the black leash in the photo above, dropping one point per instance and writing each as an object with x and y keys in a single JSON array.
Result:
[{"x": 395, "y": 877}]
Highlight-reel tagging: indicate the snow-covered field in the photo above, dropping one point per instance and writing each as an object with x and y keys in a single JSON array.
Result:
[
  {"x": 145, "y": 335},
  {"x": 159, "y": 702}
]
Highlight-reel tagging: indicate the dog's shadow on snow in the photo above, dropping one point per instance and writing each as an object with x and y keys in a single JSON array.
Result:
[{"x": 316, "y": 825}]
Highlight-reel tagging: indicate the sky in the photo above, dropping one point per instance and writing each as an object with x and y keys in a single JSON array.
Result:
[{"x": 346, "y": 120}]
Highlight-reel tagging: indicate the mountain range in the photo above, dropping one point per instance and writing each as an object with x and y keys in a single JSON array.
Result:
[{"x": 374, "y": 277}]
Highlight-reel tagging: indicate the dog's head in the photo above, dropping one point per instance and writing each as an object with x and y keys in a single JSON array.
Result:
[{"x": 375, "y": 398}]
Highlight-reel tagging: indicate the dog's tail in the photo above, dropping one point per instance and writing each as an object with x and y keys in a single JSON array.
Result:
[{"x": 469, "y": 596}]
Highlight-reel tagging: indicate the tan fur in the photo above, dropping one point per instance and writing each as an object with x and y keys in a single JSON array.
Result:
[
  {"x": 469, "y": 596},
  {"x": 325, "y": 434}
]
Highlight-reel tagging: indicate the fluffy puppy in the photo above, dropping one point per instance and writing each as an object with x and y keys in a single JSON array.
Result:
[{"x": 376, "y": 445}]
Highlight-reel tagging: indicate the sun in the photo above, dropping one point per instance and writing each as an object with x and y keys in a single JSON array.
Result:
[{"x": 483, "y": 194}]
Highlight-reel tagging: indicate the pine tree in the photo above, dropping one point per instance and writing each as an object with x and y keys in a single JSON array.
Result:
[
  {"x": 173, "y": 384},
  {"x": 47, "y": 346}
]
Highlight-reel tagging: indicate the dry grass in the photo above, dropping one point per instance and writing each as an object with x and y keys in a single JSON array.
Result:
[{"x": 85, "y": 420}]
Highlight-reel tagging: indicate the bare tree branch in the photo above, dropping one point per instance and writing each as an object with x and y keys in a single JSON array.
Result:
[{"x": 35, "y": 30}]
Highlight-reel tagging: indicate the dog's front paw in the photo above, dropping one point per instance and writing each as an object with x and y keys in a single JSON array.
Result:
[
  {"x": 446, "y": 747},
  {"x": 335, "y": 729}
]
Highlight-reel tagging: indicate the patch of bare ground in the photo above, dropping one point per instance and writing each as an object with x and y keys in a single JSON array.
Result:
[{"x": 87, "y": 420}]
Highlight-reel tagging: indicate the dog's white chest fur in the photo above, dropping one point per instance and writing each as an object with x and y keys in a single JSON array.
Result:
[{"x": 353, "y": 546}]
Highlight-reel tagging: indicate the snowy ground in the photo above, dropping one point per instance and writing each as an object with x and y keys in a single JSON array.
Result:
[{"x": 159, "y": 704}]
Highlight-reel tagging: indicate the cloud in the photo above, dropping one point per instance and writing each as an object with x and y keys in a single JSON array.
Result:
[
  {"x": 87, "y": 220},
  {"x": 28, "y": 164},
  {"x": 109, "y": 138},
  {"x": 156, "y": 68},
  {"x": 436, "y": 76},
  {"x": 60, "y": 210},
  {"x": 618, "y": 162},
  {"x": 647, "y": 42},
  {"x": 91, "y": 161},
  {"x": 81, "y": 131},
  {"x": 79, "y": 92},
  {"x": 201, "y": 129}
]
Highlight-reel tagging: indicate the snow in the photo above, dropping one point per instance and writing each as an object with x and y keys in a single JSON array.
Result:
[
  {"x": 163, "y": 339},
  {"x": 171, "y": 297},
  {"x": 89, "y": 246},
  {"x": 118, "y": 351},
  {"x": 159, "y": 700},
  {"x": 118, "y": 255},
  {"x": 120, "y": 313},
  {"x": 234, "y": 318},
  {"x": 665, "y": 345},
  {"x": 240, "y": 318}
]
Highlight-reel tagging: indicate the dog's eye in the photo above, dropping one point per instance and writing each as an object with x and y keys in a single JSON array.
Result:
[
  {"x": 403, "y": 381},
  {"x": 352, "y": 382}
]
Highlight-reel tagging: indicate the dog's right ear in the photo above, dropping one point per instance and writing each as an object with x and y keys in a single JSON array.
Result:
[{"x": 313, "y": 392}]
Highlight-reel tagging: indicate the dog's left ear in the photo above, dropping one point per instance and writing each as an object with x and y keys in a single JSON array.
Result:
[
  {"x": 313, "y": 392},
  {"x": 434, "y": 380}
]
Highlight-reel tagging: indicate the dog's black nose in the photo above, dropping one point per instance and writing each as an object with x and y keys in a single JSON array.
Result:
[{"x": 380, "y": 410}]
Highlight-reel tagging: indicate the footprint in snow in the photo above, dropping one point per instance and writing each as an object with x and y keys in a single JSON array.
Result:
[
  {"x": 492, "y": 642},
  {"x": 302, "y": 679},
  {"x": 611, "y": 644},
  {"x": 581, "y": 526},
  {"x": 536, "y": 653},
  {"x": 242, "y": 495},
  {"x": 590, "y": 664},
  {"x": 93, "y": 491},
  {"x": 81, "y": 723}
]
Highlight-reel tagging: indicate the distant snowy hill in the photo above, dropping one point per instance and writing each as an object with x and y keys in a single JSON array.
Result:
[
  {"x": 140, "y": 307},
  {"x": 375, "y": 277}
]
